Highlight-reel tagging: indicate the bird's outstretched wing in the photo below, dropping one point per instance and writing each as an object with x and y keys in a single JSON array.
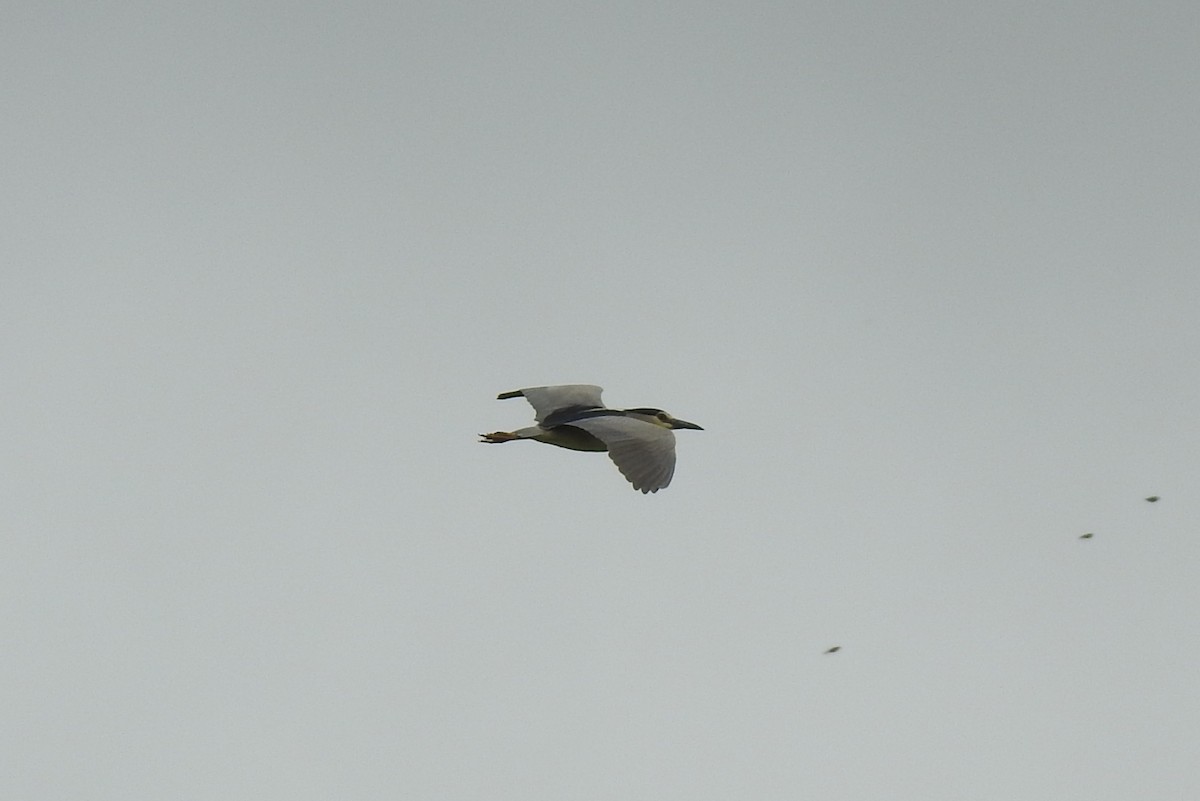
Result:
[
  {"x": 643, "y": 452},
  {"x": 548, "y": 400}
]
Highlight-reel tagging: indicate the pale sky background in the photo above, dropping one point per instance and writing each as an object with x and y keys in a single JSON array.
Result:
[{"x": 927, "y": 273}]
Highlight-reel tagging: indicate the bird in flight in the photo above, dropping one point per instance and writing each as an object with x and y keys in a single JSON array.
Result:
[{"x": 640, "y": 441}]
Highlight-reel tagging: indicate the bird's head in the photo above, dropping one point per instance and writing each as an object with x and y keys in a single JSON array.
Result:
[{"x": 660, "y": 418}]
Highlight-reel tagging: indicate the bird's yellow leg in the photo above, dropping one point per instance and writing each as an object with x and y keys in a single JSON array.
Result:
[{"x": 498, "y": 436}]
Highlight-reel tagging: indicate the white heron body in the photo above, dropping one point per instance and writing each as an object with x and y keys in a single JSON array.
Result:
[{"x": 640, "y": 442}]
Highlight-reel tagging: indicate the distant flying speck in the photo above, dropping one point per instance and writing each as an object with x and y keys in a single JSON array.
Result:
[
  {"x": 834, "y": 649},
  {"x": 1153, "y": 499},
  {"x": 1087, "y": 536}
]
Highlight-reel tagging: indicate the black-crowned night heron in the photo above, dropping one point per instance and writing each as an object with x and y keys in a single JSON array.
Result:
[{"x": 639, "y": 441}]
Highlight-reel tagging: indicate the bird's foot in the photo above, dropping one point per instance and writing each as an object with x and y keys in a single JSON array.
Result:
[{"x": 498, "y": 436}]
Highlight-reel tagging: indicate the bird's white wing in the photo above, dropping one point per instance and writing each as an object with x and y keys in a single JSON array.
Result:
[
  {"x": 547, "y": 400},
  {"x": 643, "y": 452}
]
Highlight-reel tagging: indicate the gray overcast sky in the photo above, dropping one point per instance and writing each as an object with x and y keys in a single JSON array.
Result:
[{"x": 926, "y": 272}]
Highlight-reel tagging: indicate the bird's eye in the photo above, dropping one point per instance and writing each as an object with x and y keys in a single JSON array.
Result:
[{"x": 666, "y": 418}]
